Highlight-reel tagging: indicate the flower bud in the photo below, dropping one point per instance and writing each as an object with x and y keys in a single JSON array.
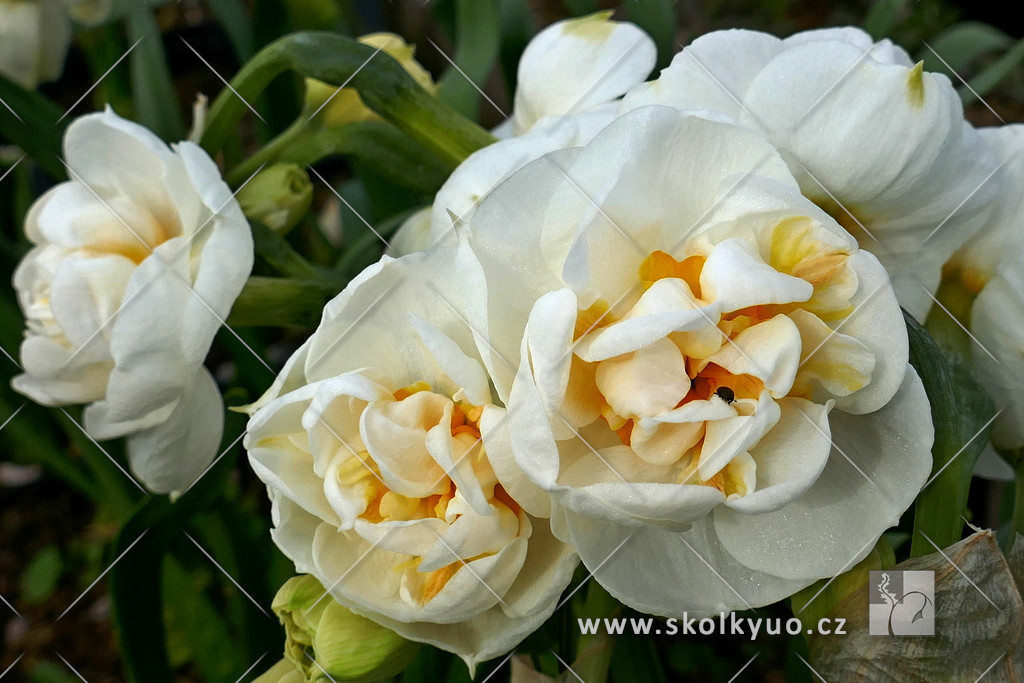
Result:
[
  {"x": 284, "y": 671},
  {"x": 278, "y": 197},
  {"x": 340, "y": 106},
  {"x": 328, "y": 642}
]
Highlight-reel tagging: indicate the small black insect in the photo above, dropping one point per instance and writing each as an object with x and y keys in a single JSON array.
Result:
[{"x": 726, "y": 394}]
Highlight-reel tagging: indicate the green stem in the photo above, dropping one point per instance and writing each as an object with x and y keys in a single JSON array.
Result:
[
  {"x": 382, "y": 84},
  {"x": 271, "y": 152},
  {"x": 281, "y": 302}
]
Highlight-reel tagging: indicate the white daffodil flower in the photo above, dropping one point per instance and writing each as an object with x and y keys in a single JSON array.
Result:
[
  {"x": 391, "y": 482},
  {"x": 34, "y": 39},
  {"x": 713, "y": 384},
  {"x": 137, "y": 260},
  {"x": 873, "y": 139},
  {"x": 569, "y": 80},
  {"x": 983, "y": 285}
]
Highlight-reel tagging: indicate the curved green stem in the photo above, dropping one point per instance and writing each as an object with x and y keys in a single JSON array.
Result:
[
  {"x": 271, "y": 152},
  {"x": 382, "y": 84}
]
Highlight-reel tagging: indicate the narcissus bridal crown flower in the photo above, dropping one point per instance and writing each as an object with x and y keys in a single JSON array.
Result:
[
  {"x": 137, "y": 260},
  {"x": 391, "y": 480},
  {"x": 712, "y": 385},
  {"x": 871, "y": 137}
]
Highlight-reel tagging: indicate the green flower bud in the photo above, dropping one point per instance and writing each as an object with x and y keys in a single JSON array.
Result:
[
  {"x": 328, "y": 642},
  {"x": 279, "y": 196},
  {"x": 284, "y": 671}
]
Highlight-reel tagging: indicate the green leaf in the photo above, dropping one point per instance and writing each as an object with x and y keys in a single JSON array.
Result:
[
  {"x": 234, "y": 19},
  {"x": 136, "y": 577},
  {"x": 991, "y": 76},
  {"x": 961, "y": 414},
  {"x": 477, "y": 38},
  {"x": 960, "y": 44},
  {"x": 882, "y": 17},
  {"x": 636, "y": 658},
  {"x": 383, "y": 85},
  {"x": 517, "y": 29},
  {"x": 32, "y": 122},
  {"x": 658, "y": 19},
  {"x": 51, "y": 672},
  {"x": 152, "y": 88},
  {"x": 39, "y": 579}
]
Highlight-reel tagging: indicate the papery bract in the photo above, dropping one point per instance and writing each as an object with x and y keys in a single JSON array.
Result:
[
  {"x": 383, "y": 451},
  {"x": 712, "y": 385},
  {"x": 137, "y": 260}
]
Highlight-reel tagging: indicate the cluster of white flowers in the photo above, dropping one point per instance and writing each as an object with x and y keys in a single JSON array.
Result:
[{"x": 656, "y": 327}]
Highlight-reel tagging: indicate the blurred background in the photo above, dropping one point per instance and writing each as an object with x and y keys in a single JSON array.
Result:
[{"x": 59, "y": 523}]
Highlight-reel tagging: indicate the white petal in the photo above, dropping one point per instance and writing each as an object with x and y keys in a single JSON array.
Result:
[
  {"x": 734, "y": 277},
  {"x": 172, "y": 455},
  {"x": 646, "y": 382},
  {"x": 578, "y": 64},
  {"x": 836, "y": 522}
]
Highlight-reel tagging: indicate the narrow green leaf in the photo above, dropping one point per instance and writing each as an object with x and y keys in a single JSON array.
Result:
[
  {"x": 517, "y": 29},
  {"x": 658, "y": 19},
  {"x": 273, "y": 248},
  {"x": 382, "y": 83},
  {"x": 992, "y": 75},
  {"x": 960, "y": 410},
  {"x": 234, "y": 19},
  {"x": 636, "y": 658},
  {"x": 882, "y": 17},
  {"x": 136, "y": 578},
  {"x": 32, "y": 122},
  {"x": 960, "y": 44},
  {"x": 477, "y": 38},
  {"x": 40, "y": 577},
  {"x": 152, "y": 88}
]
